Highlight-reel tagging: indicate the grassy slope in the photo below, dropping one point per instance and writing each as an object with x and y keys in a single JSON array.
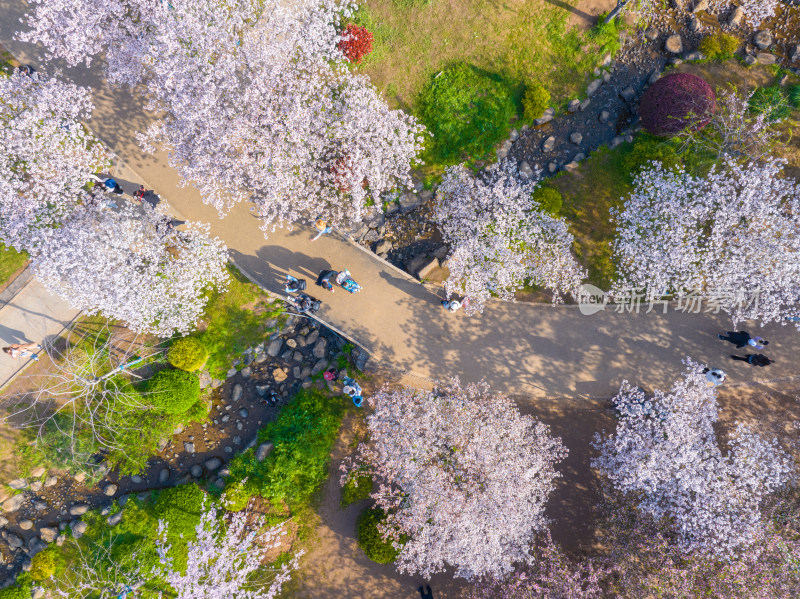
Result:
[{"x": 10, "y": 262}]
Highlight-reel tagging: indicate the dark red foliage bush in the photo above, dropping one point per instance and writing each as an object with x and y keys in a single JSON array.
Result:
[
  {"x": 677, "y": 101},
  {"x": 356, "y": 43}
]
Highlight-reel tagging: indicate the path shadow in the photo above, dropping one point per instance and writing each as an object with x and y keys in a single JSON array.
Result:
[
  {"x": 583, "y": 15},
  {"x": 9, "y": 335}
]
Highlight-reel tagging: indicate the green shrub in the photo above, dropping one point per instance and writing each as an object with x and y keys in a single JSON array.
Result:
[
  {"x": 771, "y": 101},
  {"x": 180, "y": 507},
  {"x": 352, "y": 493},
  {"x": 370, "y": 540},
  {"x": 43, "y": 565},
  {"x": 549, "y": 200},
  {"x": 793, "y": 93},
  {"x": 20, "y": 590},
  {"x": 719, "y": 46},
  {"x": 467, "y": 111},
  {"x": 237, "y": 496},
  {"x": 535, "y": 101},
  {"x": 188, "y": 354},
  {"x": 647, "y": 148},
  {"x": 173, "y": 391},
  {"x": 303, "y": 435}
]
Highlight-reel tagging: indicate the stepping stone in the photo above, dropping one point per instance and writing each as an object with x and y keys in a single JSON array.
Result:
[
  {"x": 212, "y": 464},
  {"x": 763, "y": 39},
  {"x": 196, "y": 471},
  {"x": 79, "y": 509},
  {"x": 163, "y": 476},
  {"x": 236, "y": 394},
  {"x": 25, "y": 524},
  {"x": 263, "y": 451},
  {"x": 573, "y": 106},
  {"x": 549, "y": 144},
  {"x": 674, "y": 44},
  {"x": 18, "y": 484},
  {"x": 136, "y": 479},
  {"x": 37, "y": 472},
  {"x": 244, "y": 413},
  {"x": 110, "y": 490},
  {"x": 188, "y": 446},
  {"x": 576, "y": 138},
  {"x": 604, "y": 116},
  {"x": 78, "y": 528},
  {"x": 115, "y": 519},
  {"x": 592, "y": 88},
  {"x": 47, "y": 534},
  {"x": 51, "y": 481}
]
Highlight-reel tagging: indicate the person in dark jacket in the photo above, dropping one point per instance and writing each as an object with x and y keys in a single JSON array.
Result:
[
  {"x": 754, "y": 359},
  {"x": 428, "y": 594}
]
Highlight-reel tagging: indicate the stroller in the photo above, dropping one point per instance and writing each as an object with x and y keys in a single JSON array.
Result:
[
  {"x": 346, "y": 281},
  {"x": 305, "y": 303}
]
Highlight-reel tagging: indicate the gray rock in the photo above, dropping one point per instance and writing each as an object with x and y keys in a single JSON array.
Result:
[
  {"x": 312, "y": 337},
  {"x": 763, "y": 39},
  {"x": 615, "y": 142},
  {"x": 525, "y": 170},
  {"x": 37, "y": 472},
  {"x": 571, "y": 166},
  {"x": 750, "y": 60},
  {"x": 694, "y": 55},
  {"x": 549, "y": 112},
  {"x": 226, "y": 418},
  {"x": 318, "y": 367},
  {"x": 50, "y": 481},
  {"x": 216, "y": 383},
  {"x": 606, "y": 76},
  {"x": 377, "y": 221},
  {"x": 604, "y": 116},
  {"x": 246, "y": 372},
  {"x": 585, "y": 104},
  {"x": 735, "y": 18},
  {"x": 60, "y": 539},
  {"x": 27, "y": 565},
  {"x": 121, "y": 501},
  {"x": 25, "y": 524},
  {"x": 18, "y": 484},
  {"x": 428, "y": 268},
  {"x": 163, "y": 476},
  {"x": 391, "y": 208},
  {"x": 504, "y": 149},
  {"x": 110, "y": 489},
  {"x": 136, "y": 479},
  {"x": 675, "y": 61},
  {"x": 78, "y": 528},
  {"x": 205, "y": 379},
  {"x": 579, "y": 157},
  {"x": 576, "y": 138},
  {"x": 105, "y": 511},
  {"x": 114, "y": 519},
  {"x": 766, "y": 58},
  {"x": 244, "y": 413},
  {"x": 573, "y": 106},
  {"x": 40, "y": 506},
  {"x": 408, "y": 202},
  {"x": 514, "y": 135},
  {"x": 552, "y": 167},
  {"x": 188, "y": 446},
  {"x": 3, "y": 521},
  {"x": 80, "y": 477},
  {"x": 297, "y": 356},
  {"x": 795, "y": 53},
  {"x": 275, "y": 348},
  {"x": 36, "y": 486},
  {"x": 48, "y": 534},
  {"x": 212, "y": 464},
  {"x": 37, "y": 593},
  {"x": 13, "y": 541},
  {"x": 320, "y": 347},
  {"x": 383, "y": 246},
  {"x": 279, "y": 375},
  {"x": 549, "y": 144},
  {"x": 593, "y": 86},
  {"x": 700, "y": 5},
  {"x": 144, "y": 496},
  {"x": 674, "y": 44},
  {"x": 231, "y": 372},
  {"x": 651, "y": 34},
  {"x": 291, "y": 343},
  {"x": 261, "y": 390},
  {"x": 236, "y": 394},
  {"x": 79, "y": 509},
  {"x": 628, "y": 94},
  {"x": 237, "y": 440},
  {"x": 263, "y": 450},
  {"x": 694, "y": 24},
  {"x": 13, "y": 503},
  {"x": 196, "y": 471}
]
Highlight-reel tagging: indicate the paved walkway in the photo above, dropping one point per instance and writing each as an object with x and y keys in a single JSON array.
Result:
[{"x": 534, "y": 350}]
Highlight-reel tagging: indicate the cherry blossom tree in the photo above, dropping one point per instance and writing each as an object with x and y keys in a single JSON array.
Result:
[
  {"x": 226, "y": 560},
  {"x": 733, "y": 235},
  {"x": 755, "y": 12},
  {"x": 131, "y": 266},
  {"x": 666, "y": 452},
  {"x": 462, "y": 473},
  {"x": 257, "y": 100},
  {"x": 499, "y": 237},
  {"x": 46, "y": 155}
]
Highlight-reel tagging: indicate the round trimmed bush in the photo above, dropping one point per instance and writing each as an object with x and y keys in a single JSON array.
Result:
[
  {"x": 675, "y": 102},
  {"x": 467, "y": 110},
  {"x": 173, "y": 391},
  {"x": 187, "y": 354},
  {"x": 43, "y": 565},
  {"x": 237, "y": 496},
  {"x": 535, "y": 101},
  {"x": 719, "y": 46},
  {"x": 369, "y": 539},
  {"x": 549, "y": 199}
]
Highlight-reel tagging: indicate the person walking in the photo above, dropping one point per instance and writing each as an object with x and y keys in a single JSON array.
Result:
[
  {"x": 322, "y": 228},
  {"x": 324, "y": 279},
  {"x": 757, "y": 342},
  {"x": 714, "y": 376},
  {"x": 23, "y": 350},
  {"x": 738, "y": 338},
  {"x": 452, "y": 305},
  {"x": 754, "y": 359},
  {"x": 427, "y": 594}
]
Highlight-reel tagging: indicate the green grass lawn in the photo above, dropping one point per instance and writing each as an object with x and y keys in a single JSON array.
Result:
[{"x": 10, "y": 262}]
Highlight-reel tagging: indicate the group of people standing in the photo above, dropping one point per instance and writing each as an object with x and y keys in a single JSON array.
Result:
[{"x": 741, "y": 339}]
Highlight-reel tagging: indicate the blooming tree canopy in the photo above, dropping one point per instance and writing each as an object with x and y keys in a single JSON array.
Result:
[
  {"x": 665, "y": 449},
  {"x": 226, "y": 559},
  {"x": 755, "y": 12},
  {"x": 499, "y": 237},
  {"x": 46, "y": 155},
  {"x": 131, "y": 266},
  {"x": 257, "y": 100},
  {"x": 733, "y": 235},
  {"x": 462, "y": 473}
]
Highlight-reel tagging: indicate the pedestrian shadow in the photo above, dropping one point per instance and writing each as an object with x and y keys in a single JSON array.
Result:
[
  {"x": 409, "y": 287},
  {"x": 9, "y": 335}
]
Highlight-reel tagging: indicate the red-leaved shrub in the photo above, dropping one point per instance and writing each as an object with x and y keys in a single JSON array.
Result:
[
  {"x": 356, "y": 43},
  {"x": 677, "y": 101}
]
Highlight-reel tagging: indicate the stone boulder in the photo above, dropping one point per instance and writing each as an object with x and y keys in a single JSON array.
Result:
[
  {"x": 196, "y": 471},
  {"x": 78, "y": 528},
  {"x": 628, "y": 94},
  {"x": 163, "y": 476},
  {"x": 18, "y": 484},
  {"x": 651, "y": 34},
  {"x": 573, "y": 106},
  {"x": 212, "y": 464},
  {"x": 549, "y": 144},
  {"x": 14, "y": 502},
  {"x": 263, "y": 450},
  {"x": 320, "y": 347},
  {"x": 114, "y": 519},
  {"x": 674, "y": 44},
  {"x": 576, "y": 138},
  {"x": 736, "y": 17},
  {"x": 525, "y": 170},
  {"x": 593, "y": 86},
  {"x": 766, "y": 58},
  {"x": 409, "y": 202},
  {"x": 110, "y": 490},
  {"x": 762, "y": 39},
  {"x": 700, "y": 5},
  {"x": 279, "y": 375},
  {"x": 427, "y": 268},
  {"x": 48, "y": 534},
  {"x": 79, "y": 509}
]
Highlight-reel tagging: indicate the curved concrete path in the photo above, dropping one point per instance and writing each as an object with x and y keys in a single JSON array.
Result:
[{"x": 523, "y": 349}]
